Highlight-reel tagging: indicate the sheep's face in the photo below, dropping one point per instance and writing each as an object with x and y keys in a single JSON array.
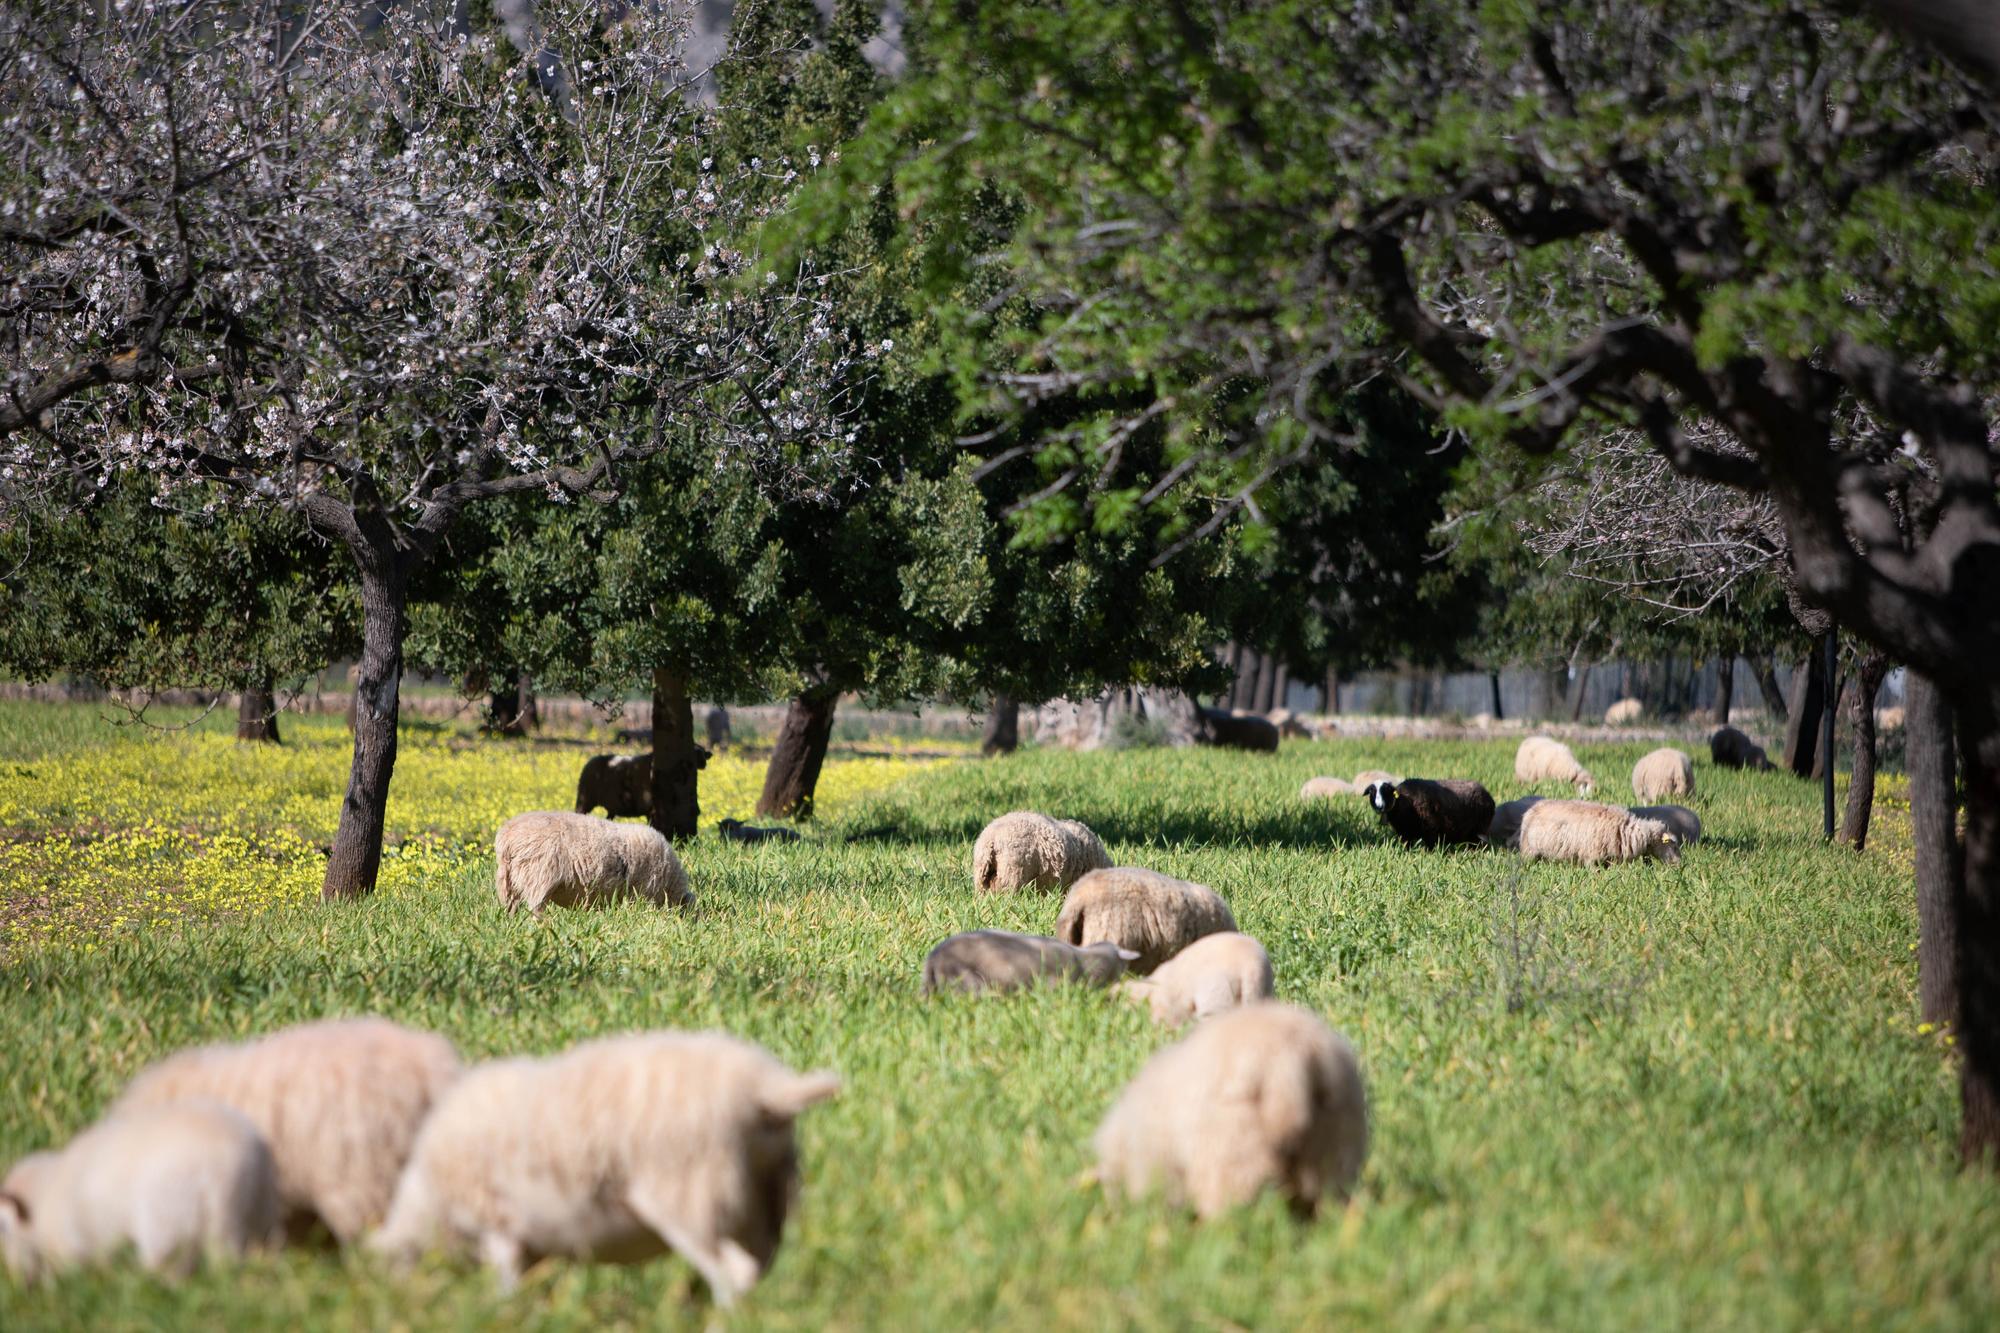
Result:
[
  {"x": 1383, "y": 796},
  {"x": 1586, "y": 785},
  {"x": 17, "y": 1238},
  {"x": 1665, "y": 847}
]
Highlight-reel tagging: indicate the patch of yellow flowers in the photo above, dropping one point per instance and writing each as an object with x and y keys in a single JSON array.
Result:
[{"x": 103, "y": 837}]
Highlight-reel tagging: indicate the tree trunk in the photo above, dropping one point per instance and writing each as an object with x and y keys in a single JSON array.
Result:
[
  {"x": 1281, "y": 687},
  {"x": 1493, "y": 679},
  {"x": 357, "y": 843},
  {"x": 1802, "y": 718},
  {"x": 1003, "y": 726},
  {"x": 1244, "y": 693},
  {"x": 677, "y": 760},
  {"x": 1933, "y": 765},
  {"x": 257, "y": 713},
  {"x": 1767, "y": 685},
  {"x": 1332, "y": 691},
  {"x": 1232, "y": 655},
  {"x": 1978, "y": 922},
  {"x": 1582, "y": 690},
  {"x": 503, "y": 707},
  {"x": 801, "y": 749},
  {"x": 1861, "y": 784},
  {"x": 527, "y": 713},
  {"x": 1725, "y": 689}
]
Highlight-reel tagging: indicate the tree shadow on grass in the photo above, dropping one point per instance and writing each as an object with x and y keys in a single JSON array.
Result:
[{"x": 1293, "y": 830}]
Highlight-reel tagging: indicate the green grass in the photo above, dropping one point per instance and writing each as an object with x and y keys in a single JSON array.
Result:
[{"x": 1632, "y": 1098}]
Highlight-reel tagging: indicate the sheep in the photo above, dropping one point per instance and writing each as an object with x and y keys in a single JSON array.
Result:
[
  {"x": 1730, "y": 748},
  {"x": 552, "y": 856},
  {"x": 1025, "y": 850},
  {"x": 1153, "y": 915},
  {"x": 1682, "y": 822},
  {"x": 1289, "y": 724},
  {"x": 338, "y": 1100},
  {"x": 1266, "y": 1096},
  {"x": 1592, "y": 834},
  {"x": 1434, "y": 814},
  {"x": 1368, "y": 777},
  {"x": 1624, "y": 712},
  {"x": 618, "y": 1149},
  {"x": 1235, "y": 731},
  {"x": 999, "y": 960},
  {"x": 174, "y": 1182},
  {"x": 1318, "y": 789},
  {"x": 1505, "y": 830},
  {"x": 1890, "y": 718},
  {"x": 717, "y": 726},
  {"x": 1664, "y": 772},
  {"x": 735, "y": 830},
  {"x": 1543, "y": 759},
  {"x": 1213, "y": 975},
  {"x": 621, "y": 783}
]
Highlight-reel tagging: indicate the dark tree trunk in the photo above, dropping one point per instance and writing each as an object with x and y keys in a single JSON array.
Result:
[
  {"x": 527, "y": 713},
  {"x": 1767, "y": 685},
  {"x": 1232, "y": 656},
  {"x": 1248, "y": 680},
  {"x": 1493, "y": 679},
  {"x": 357, "y": 843},
  {"x": 1861, "y": 785},
  {"x": 677, "y": 760},
  {"x": 1725, "y": 689},
  {"x": 510, "y": 705},
  {"x": 1003, "y": 726},
  {"x": 801, "y": 749},
  {"x": 257, "y": 713},
  {"x": 1582, "y": 690},
  {"x": 1332, "y": 689},
  {"x": 1801, "y": 752},
  {"x": 1281, "y": 685},
  {"x": 1933, "y": 765},
  {"x": 1978, "y": 921}
]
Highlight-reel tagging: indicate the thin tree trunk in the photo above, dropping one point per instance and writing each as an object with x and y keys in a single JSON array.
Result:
[
  {"x": 1281, "y": 687},
  {"x": 503, "y": 709},
  {"x": 357, "y": 843},
  {"x": 1767, "y": 685},
  {"x": 1861, "y": 784},
  {"x": 1933, "y": 765},
  {"x": 801, "y": 749},
  {"x": 677, "y": 760},
  {"x": 1003, "y": 726},
  {"x": 527, "y": 713},
  {"x": 1978, "y": 921},
  {"x": 1231, "y": 654},
  {"x": 1581, "y": 690},
  {"x": 1493, "y": 678},
  {"x": 1725, "y": 689},
  {"x": 1801, "y": 752},
  {"x": 1259, "y": 682},
  {"x": 257, "y": 713},
  {"x": 1332, "y": 692}
]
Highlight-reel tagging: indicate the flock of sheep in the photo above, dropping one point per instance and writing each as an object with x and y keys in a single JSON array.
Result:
[{"x": 626, "y": 1147}]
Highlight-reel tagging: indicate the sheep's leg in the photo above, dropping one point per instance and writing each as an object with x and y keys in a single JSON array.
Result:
[
  {"x": 721, "y": 1262},
  {"x": 502, "y": 1254}
]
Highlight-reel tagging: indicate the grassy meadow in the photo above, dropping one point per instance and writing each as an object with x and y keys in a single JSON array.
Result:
[{"x": 1632, "y": 1098}]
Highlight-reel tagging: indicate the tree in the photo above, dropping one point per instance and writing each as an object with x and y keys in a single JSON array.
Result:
[
  {"x": 1548, "y": 219},
  {"x": 374, "y": 273}
]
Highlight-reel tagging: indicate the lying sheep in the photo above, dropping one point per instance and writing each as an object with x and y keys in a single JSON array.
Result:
[
  {"x": 621, "y": 783},
  {"x": 1433, "y": 814},
  {"x": 1235, "y": 731},
  {"x": 1320, "y": 789},
  {"x": 1025, "y": 850},
  {"x": 735, "y": 830},
  {"x": 1213, "y": 975},
  {"x": 1730, "y": 748},
  {"x": 1593, "y": 835},
  {"x": 619, "y": 1149},
  {"x": 1664, "y": 772},
  {"x": 1368, "y": 777},
  {"x": 176, "y": 1183},
  {"x": 1682, "y": 822},
  {"x": 1505, "y": 830},
  {"x": 1263, "y": 1097},
  {"x": 1153, "y": 915},
  {"x": 999, "y": 960},
  {"x": 552, "y": 856},
  {"x": 1624, "y": 712},
  {"x": 1543, "y": 759}
]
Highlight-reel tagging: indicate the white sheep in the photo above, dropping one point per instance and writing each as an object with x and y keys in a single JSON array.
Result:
[
  {"x": 176, "y": 1183},
  {"x": 1682, "y": 822},
  {"x": 339, "y": 1102},
  {"x": 1369, "y": 777},
  {"x": 1624, "y": 712},
  {"x": 1664, "y": 772},
  {"x": 1026, "y": 850},
  {"x": 1544, "y": 759},
  {"x": 1153, "y": 915},
  {"x": 618, "y": 1149},
  {"x": 553, "y": 856},
  {"x": 1319, "y": 789},
  {"x": 1505, "y": 830},
  {"x": 1262, "y": 1097},
  {"x": 1000, "y": 960},
  {"x": 1592, "y": 834},
  {"x": 1213, "y": 975}
]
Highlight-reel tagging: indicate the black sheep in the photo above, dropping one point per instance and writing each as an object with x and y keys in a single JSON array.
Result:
[
  {"x": 1730, "y": 748},
  {"x": 1435, "y": 814}
]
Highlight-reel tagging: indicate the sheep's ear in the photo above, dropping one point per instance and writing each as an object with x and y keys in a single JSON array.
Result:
[
  {"x": 13, "y": 1211},
  {"x": 1129, "y": 955},
  {"x": 792, "y": 1095},
  {"x": 1668, "y": 838}
]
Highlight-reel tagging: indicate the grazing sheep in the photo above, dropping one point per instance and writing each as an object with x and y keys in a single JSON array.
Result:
[
  {"x": 735, "y": 830},
  {"x": 621, "y": 783},
  {"x": 717, "y": 725},
  {"x": 618, "y": 1149},
  {"x": 1153, "y": 915},
  {"x": 339, "y": 1101},
  {"x": 1266, "y": 1096},
  {"x": 1623, "y": 713},
  {"x": 1543, "y": 759},
  {"x": 999, "y": 960},
  {"x": 1730, "y": 748},
  {"x": 1682, "y": 822},
  {"x": 1890, "y": 718},
  {"x": 1319, "y": 789},
  {"x": 1505, "y": 830},
  {"x": 1235, "y": 731},
  {"x": 1288, "y": 724},
  {"x": 1213, "y": 975},
  {"x": 1593, "y": 835},
  {"x": 552, "y": 856},
  {"x": 1025, "y": 850},
  {"x": 173, "y": 1182},
  {"x": 1664, "y": 772},
  {"x": 1368, "y": 777},
  {"x": 1434, "y": 814}
]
